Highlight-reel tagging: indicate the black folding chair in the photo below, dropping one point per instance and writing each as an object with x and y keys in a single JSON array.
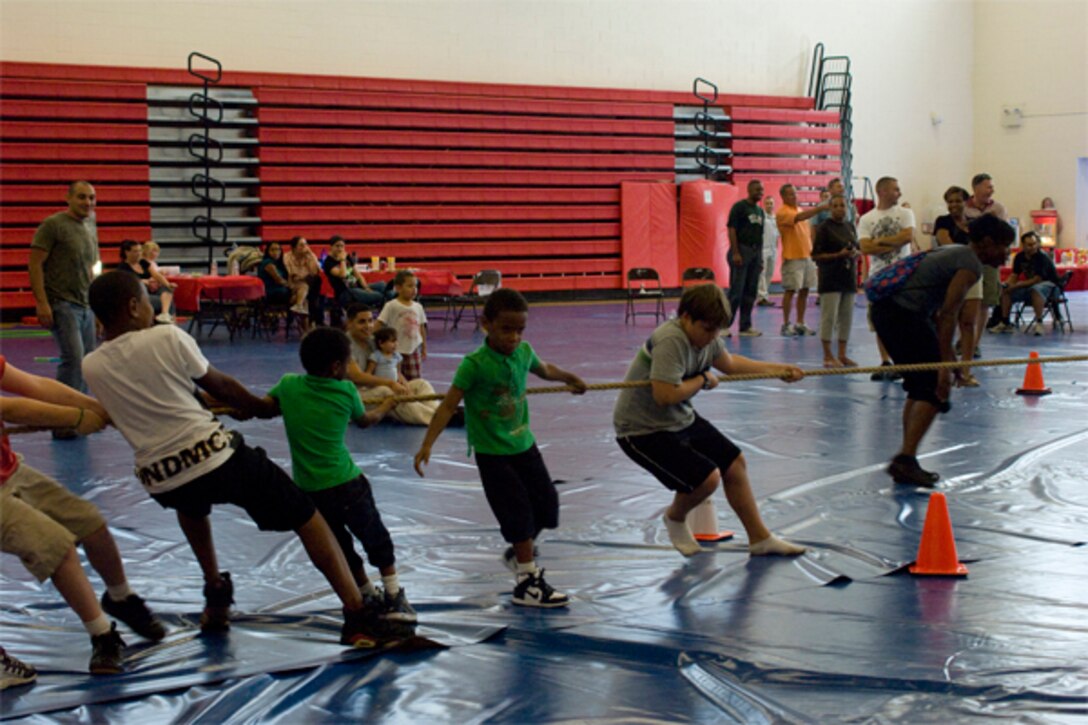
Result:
[
  {"x": 644, "y": 285},
  {"x": 483, "y": 284},
  {"x": 697, "y": 275}
]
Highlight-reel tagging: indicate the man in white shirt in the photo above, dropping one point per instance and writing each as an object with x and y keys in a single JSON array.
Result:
[
  {"x": 885, "y": 234},
  {"x": 770, "y": 251}
]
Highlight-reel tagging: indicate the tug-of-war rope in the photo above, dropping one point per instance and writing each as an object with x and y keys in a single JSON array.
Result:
[{"x": 744, "y": 377}]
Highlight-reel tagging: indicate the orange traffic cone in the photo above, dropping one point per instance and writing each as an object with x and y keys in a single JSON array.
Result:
[
  {"x": 703, "y": 522},
  {"x": 1033, "y": 379},
  {"x": 937, "y": 551}
]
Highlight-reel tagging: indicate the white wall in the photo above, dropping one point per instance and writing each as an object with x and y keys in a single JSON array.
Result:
[
  {"x": 910, "y": 57},
  {"x": 1033, "y": 53}
]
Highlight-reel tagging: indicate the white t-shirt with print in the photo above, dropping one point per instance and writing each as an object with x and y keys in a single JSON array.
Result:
[
  {"x": 408, "y": 321},
  {"x": 880, "y": 223},
  {"x": 144, "y": 379}
]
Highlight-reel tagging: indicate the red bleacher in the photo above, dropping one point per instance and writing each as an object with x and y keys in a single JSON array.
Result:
[{"x": 467, "y": 176}]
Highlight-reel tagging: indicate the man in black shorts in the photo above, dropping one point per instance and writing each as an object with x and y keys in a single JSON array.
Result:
[{"x": 658, "y": 428}]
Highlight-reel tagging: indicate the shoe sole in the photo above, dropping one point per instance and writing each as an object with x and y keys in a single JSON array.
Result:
[
  {"x": 401, "y": 617},
  {"x": 16, "y": 681},
  {"x": 107, "y": 670}
]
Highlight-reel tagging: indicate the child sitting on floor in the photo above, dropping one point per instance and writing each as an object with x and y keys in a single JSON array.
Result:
[
  {"x": 373, "y": 386},
  {"x": 147, "y": 378},
  {"x": 384, "y": 365},
  {"x": 41, "y": 521},
  {"x": 407, "y": 317},
  {"x": 518, "y": 487},
  {"x": 316, "y": 410}
]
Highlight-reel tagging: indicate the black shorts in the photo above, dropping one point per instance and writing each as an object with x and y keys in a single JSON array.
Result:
[
  {"x": 909, "y": 337},
  {"x": 521, "y": 494},
  {"x": 248, "y": 479},
  {"x": 350, "y": 509},
  {"x": 682, "y": 460}
]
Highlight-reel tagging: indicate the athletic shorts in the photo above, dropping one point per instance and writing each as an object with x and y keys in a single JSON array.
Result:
[
  {"x": 909, "y": 338},
  {"x": 41, "y": 520},
  {"x": 682, "y": 460},
  {"x": 250, "y": 480},
  {"x": 798, "y": 274},
  {"x": 521, "y": 493}
]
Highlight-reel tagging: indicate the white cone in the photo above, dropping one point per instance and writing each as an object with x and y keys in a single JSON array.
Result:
[{"x": 703, "y": 522}]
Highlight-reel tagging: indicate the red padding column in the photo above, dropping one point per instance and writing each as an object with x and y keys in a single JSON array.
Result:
[
  {"x": 649, "y": 228},
  {"x": 703, "y": 239}
]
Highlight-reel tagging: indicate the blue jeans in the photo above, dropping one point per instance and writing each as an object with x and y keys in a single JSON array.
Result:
[{"x": 73, "y": 329}]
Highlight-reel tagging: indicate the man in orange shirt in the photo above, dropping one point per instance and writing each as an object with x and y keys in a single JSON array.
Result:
[{"x": 798, "y": 269}]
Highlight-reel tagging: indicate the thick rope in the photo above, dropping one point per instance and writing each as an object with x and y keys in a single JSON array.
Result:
[{"x": 744, "y": 377}]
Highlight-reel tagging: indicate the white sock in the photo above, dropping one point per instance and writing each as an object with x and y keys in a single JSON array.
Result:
[
  {"x": 526, "y": 569},
  {"x": 368, "y": 589},
  {"x": 392, "y": 586},
  {"x": 681, "y": 537},
  {"x": 120, "y": 592},
  {"x": 774, "y": 545},
  {"x": 97, "y": 626}
]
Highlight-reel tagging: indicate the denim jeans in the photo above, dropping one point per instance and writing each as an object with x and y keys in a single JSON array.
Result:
[{"x": 73, "y": 329}]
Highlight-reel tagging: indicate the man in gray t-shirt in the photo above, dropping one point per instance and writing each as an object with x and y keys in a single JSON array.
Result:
[
  {"x": 916, "y": 325},
  {"x": 658, "y": 428},
  {"x": 62, "y": 259}
]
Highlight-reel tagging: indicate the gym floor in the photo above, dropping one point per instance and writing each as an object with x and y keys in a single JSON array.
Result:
[{"x": 842, "y": 633}]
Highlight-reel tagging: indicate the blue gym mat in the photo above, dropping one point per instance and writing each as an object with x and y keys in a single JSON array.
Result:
[{"x": 840, "y": 634}]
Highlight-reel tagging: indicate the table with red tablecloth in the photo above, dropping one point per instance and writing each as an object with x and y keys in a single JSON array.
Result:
[
  {"x": 432, "y": 282},
  {"x": 214, "y": 299},
  {"x": 1077, "y": 283}
]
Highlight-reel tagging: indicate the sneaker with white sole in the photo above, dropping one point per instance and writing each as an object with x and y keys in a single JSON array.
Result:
[
  {"x": 398, "y": 609},
  {"x": 1035, "y": 328},
  {"x": 788, "y": 330},
  {"x": 533, "y": 591},
  {"x": 802, "y": 330},
  {"x": 14, "y": 672},
  {"x": 750, "y": 332}
]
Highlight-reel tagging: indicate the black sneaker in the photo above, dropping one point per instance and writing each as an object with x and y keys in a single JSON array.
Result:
[
  {"x": 134, "y": 613},
  {"x": 398, "y": 609},
  {"x": 14, "y": 672},
  {"x": 107, "y": 653},
  {"x": 905, "y": 469},
  {"x": 357, "y": 630},
  {"x": 883, "y": 376},
  {"x": 217, "y": 601},
  {"x": 533, "y": 591}
]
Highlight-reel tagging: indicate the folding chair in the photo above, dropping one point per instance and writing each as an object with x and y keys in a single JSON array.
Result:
[
  {"x": 1056, "y": 306},
  {"x": 644, "y": 284},
  {"x": 697, "y": 275},
  {"x": 484, "y": 283}
]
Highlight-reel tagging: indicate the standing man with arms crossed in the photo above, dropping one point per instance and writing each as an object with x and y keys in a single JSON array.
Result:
[
  {"x": 746, "y": 220},
  {"x": 770, "y": 252},
  {"x": 982, "y": 202},
  {"x": 62, "y": 259},
  {"x": 885, "y": 234}
]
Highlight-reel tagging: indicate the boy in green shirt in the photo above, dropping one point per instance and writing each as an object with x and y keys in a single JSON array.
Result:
[
  {"x": 518, "y": 487},
  {"x": 317, "y": 408}
]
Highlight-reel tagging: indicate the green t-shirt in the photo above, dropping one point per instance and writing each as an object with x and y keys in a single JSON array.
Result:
[
  {"x": 72, "y": 246},
  {"x": 496, "y": 411},
  {"x": 316, "y": 413}
]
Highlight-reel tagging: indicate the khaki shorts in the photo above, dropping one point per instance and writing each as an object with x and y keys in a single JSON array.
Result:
[
  {"x": 40, "y": 520},
  {"x": 991, "y": 286},
  {"x": 975, "y": 293},
  {"x": 798, "y": 274}
]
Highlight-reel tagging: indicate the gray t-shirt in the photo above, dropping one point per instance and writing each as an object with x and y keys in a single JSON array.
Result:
[
  {"x": 72, "y": 246},
  {"x": 668, "y": 356},
  {"x": 925, "y": 290},
  {"x": 360, "y": 354}
]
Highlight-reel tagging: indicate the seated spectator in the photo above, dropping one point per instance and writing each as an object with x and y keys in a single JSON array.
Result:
[
  {"x": 304, "y": 280},
  {"x": 1033, "y": 280},
  {"x": 159, "y": 289},
  {"x": 384, "y": 364},
  {"x": 348, "y": 284},
  {"x": 273, "y": 272}
]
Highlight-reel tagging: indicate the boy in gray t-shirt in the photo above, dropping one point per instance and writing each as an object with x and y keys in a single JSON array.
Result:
[{"x": 658, "y": 428}]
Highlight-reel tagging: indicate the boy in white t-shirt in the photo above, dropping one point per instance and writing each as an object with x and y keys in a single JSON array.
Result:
[
  {"x": 147, "y": 379},
  {"x": 407, "y": 317},
  {"x": 885, "y": 233}
]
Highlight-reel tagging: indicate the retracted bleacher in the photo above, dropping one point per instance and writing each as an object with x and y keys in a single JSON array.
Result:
[{"x": 465, "y": 176}]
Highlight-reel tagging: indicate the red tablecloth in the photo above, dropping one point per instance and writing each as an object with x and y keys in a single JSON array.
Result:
[
  {"x": 1077, "y": 283},
  {"x": 223, "y": 288},
  {"x": 432, "y": 282}
]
